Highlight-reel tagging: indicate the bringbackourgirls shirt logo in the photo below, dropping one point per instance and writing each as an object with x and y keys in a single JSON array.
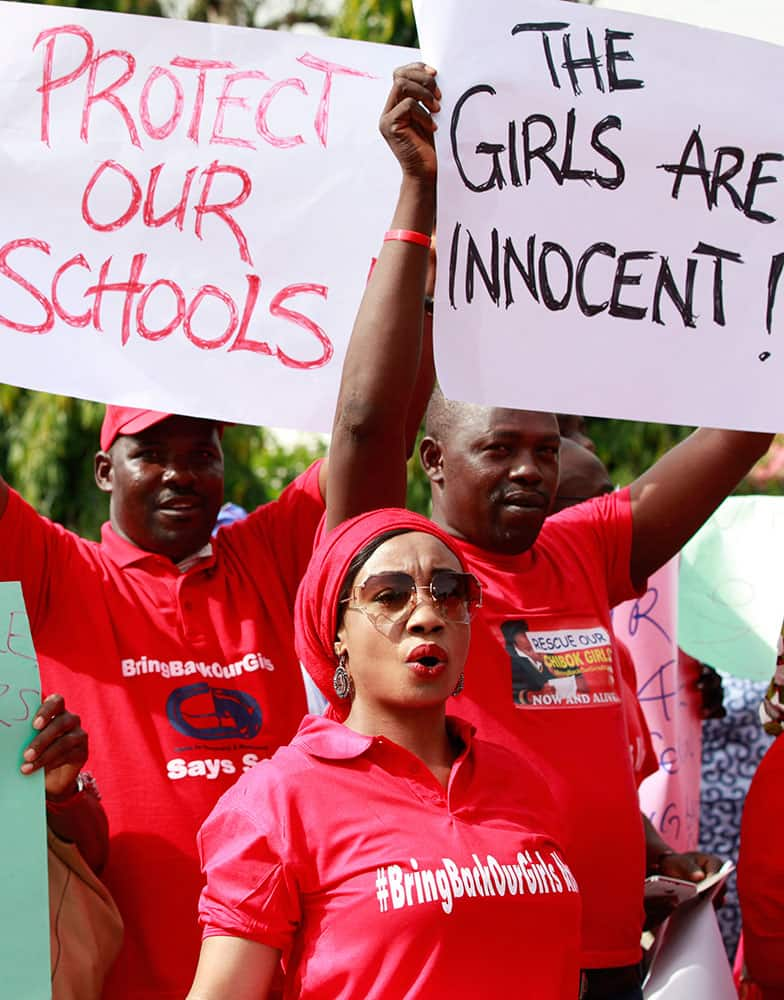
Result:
[
  {"x": 202, "y": 712},
  {"x": 538, "y": 872}
]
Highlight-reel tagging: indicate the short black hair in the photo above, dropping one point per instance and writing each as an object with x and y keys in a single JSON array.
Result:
[
  {"x": 443, "y": 414},
  {"x": 512, "y": 627}
]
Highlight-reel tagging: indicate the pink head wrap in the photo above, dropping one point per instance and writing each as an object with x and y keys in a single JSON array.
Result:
[{"x": 316, "y": 611}]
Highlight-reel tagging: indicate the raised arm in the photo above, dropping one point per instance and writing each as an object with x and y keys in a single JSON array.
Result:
[
  {"x": 679, "y": 493},
  {"x": 381, "y": 384}
]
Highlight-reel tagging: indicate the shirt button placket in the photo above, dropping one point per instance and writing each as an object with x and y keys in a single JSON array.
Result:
[{"x": 192, "y": 627}]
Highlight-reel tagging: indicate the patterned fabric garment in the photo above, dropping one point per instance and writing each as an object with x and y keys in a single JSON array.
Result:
[
  {"x": 771, "y": 711},
  {"x": 731, "y": 751}
]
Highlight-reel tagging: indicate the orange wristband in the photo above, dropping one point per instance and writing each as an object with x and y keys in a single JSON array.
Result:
[{"x": 407, "y": 236}]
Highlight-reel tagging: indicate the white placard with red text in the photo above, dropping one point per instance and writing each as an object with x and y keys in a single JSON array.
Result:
[
  {"x": 610, "y": 206},
  {"x": 671, "y": 704},
  {"x": 189, "y": 212}
]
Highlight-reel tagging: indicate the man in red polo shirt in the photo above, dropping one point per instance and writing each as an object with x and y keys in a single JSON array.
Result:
[
  {"x": 178, "y": 650},
  {"x": 493, "y": 476}
]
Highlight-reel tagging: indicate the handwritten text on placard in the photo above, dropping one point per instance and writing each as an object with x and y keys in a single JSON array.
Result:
[
  {"x": 607, "y": 205},
  {"x": 188, "y": 210}
]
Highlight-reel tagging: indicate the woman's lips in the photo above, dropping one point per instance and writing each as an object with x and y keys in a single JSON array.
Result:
[
  {"x": 428, "y": 651},
  {"x": 428, "y": 659}
]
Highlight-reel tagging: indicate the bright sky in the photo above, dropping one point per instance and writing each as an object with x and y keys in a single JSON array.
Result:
[{"x": 757, "y": 18}]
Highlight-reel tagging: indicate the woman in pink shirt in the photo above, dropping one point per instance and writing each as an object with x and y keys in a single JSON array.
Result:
[{"x": 387, "y": 852}]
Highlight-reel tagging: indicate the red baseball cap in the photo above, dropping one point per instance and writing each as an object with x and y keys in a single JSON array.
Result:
[{"x": 127, "y": 420}]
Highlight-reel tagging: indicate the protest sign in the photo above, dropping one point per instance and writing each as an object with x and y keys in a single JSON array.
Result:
[
  {"x": 691, "y": 960},
  {"x": 670, "y": 798},
  {"x": 731, "y": 595},
  {"x": 190, "y": 211},
  {"x": 609, "y": 213},
  {"x": 24, "y": 902},
  {"x": 762, "y": 19}
]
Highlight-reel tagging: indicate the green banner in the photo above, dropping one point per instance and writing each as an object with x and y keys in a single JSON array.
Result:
[
  {"x": 731, "y": 588},
  {"x": 24, "y": 900}
]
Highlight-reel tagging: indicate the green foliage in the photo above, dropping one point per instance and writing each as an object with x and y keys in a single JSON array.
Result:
[
  {"x": 258, "y": 466},
  {"x": 150, "y": 7},
  {"x": 388, "y": 21},
  {"x": 246, "y": 13},
  {"x": 629, "y": 447},
  {"x": 298, "y": 12},
  {"x": 253, "y": 13},
  {"x": 47, "y": 444}
]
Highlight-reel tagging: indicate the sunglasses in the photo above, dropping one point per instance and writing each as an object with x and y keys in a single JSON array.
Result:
[{"x": 389, "y": 598}]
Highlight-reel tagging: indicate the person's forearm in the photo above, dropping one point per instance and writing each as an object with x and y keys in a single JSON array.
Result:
[
  {"x": 676, "y": 495},
  {"x": 382, "y": 360},
  {"x": 373, "y": 426},
  {"x": 374, "y": 423},
  {"x": 83, "y": 822}
]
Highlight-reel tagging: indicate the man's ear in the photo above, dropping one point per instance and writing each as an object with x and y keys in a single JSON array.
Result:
[
  {"x": 431, "y": 455},
  {"x": 104, "y": 470}
]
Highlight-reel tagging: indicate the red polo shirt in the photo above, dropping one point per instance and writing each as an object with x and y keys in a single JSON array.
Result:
[
  {"x": 183, "y": 681},
  {"x": 761, "y": 875},
  {"x": 347, "y": 854},
  {"x": 557, "y": 692}
]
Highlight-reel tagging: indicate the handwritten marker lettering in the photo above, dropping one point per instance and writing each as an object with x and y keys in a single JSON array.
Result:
[
  {"x": 209, "y": 103},
  {"x": 80, "y": 48},
  {"x": 584, "y": 114}
]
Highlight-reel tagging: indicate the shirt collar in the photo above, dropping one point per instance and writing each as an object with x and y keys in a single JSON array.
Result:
[
  {"x": 474, "y": 554},
  {"x": 125, "y": 553},
  {"x": 190, "y": 561},
  {"x": 331, "y": 740}
]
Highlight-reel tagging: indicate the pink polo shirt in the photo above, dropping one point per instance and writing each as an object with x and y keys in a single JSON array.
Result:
[
  {"x": 347, "y": 854},
  {"x": 183, "y": 681}
]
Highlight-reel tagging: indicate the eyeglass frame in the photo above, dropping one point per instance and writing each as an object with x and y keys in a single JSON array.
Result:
[{"x": 375, "y": 618}]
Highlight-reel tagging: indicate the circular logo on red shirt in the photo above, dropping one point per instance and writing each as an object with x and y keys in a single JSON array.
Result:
[{"x": 212, "y": 713}]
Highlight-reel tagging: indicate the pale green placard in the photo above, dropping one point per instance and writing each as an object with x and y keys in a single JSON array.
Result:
[
  {"x": 24, "y": 900},
  {"x": 731, "y": 588}
]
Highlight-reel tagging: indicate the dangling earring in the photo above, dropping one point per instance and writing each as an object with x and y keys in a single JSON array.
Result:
[
  {"x": 341, "y": 680},
  {"x": 460, "y": 685}
]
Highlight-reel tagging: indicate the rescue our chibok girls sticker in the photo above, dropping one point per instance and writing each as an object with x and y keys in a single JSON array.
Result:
[{"x": 559, "y": 665}]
